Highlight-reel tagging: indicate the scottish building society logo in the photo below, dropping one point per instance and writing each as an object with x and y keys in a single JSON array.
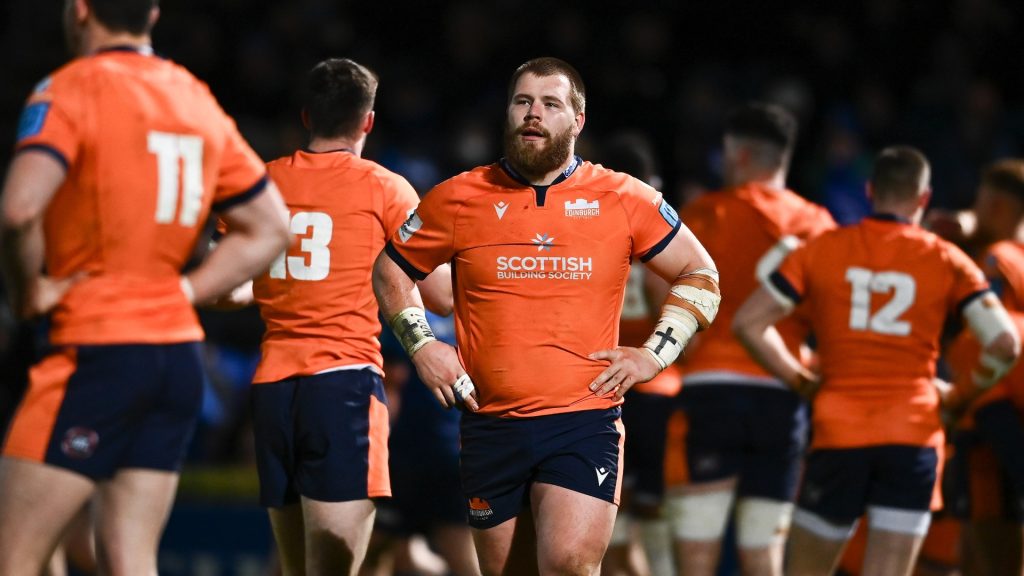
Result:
[
  {"x": 544, "y": 267},
  {"x": 580, "y": 208}
]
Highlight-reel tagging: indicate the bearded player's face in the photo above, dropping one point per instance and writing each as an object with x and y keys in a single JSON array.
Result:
[{"x": 541, "y": 127}]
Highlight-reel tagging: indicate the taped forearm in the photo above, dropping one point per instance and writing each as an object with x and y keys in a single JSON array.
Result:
[
  {"x": 411, "y": 327},
  {"x": 691, "y": 306}
]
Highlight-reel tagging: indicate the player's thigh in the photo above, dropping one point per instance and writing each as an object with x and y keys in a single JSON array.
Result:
[
  {"x": 508, "y": 548},
  {"x": 289, "y": 530},
  {"x": 576, "y": 490},
  {"x": 573, "y": 529},
  {"x": 131, "y": 511},
  {"x": 337, "y": 534},
  {"x": 36, "y": 502}
]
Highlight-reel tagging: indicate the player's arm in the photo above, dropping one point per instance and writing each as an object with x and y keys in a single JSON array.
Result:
[
  {"x": 691, "y": 305},
  {"x": 1000, "y": 343},
  {"x": 32, "y": 180},
  {"x": 436, "y": 290},
  {"x": 257, "y": 233},
  {"x": 754, "y": 326},
  {"x": 436, "y": 362}
]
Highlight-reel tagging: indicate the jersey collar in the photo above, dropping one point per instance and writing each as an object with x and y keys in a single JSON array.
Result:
[
  {"x": 887, "y": 217},
  {"x": 576, "y": 161},
  {"x": 143, "y": 49}
]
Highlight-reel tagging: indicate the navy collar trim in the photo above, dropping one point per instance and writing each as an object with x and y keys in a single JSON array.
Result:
[
  {"x": 576, "y": 161},
  {"x": 887, "y": 217},
  {"x": 144, "y": 49},
  {"x": 308, "y": 151}
]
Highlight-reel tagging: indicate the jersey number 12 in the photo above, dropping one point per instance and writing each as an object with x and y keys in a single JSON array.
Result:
[{"x": 864, "y": 283}]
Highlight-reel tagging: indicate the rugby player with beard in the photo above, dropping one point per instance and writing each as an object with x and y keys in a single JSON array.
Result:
[{"x": 540, "y": 245}]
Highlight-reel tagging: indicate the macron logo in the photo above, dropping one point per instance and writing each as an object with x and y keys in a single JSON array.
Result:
[
  {"x": 582, "y": 209},
  {"x": 602, "y": 473},
  {"x": 500, "y": 209}
]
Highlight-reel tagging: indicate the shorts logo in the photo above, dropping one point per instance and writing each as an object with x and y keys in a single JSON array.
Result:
[
  {"x": 410, "y": 227},
  {"x": 480, "y": 509},
  {"x": 582, "y": 209},
  {"x": 543, "y": 242},
  {"x": 79, "y": 443},
  {"x": 602, "y": 474},
  {"x": 500, "y": 209}
]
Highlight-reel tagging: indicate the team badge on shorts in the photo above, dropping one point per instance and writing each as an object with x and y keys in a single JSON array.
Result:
[
  {"x": 479, "y": 509},
  {"x": 79, "y": 443}
]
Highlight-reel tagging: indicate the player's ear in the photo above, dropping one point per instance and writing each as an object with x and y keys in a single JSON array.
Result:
[
  {"x": 581, "y": 119},
  {"x": 368, "y": 122},
  {"x": 154, "y": 15},
  {"x": 924, "y": 198},
  {"x": 82, "y": 10},
  {"x": 305, "y": 119}
]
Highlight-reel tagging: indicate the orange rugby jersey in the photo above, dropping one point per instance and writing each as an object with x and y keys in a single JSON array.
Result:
[
  {"x": 877, "y": 295},
  {"x": 962, "y": 356},
  {"x": 636, "y": 324},
  {"x": 1003, "y": 264},
  {"x": 737, "y": 226},
  {"x": 317, "y": 299},
  {"x": 148, "y": 151},
  {"x": 538, "y": 274}
]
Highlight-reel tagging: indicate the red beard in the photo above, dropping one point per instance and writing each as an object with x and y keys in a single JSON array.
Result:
[{"x": 532, "y": 161}]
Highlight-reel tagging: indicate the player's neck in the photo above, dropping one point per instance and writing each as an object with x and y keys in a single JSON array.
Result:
[
  {"x": 99, "y": 38},
  {"x": 322, "y": 145},
  {"x": 775, "y": 180}
]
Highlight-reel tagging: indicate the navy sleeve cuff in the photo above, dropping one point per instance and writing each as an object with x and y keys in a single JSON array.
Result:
[
  {"x": 413, "y": 272},
  {"x": 782, "y": 285},
  {"x": 253, "y": 191},
  {"x": 46, "y": 148},
  {"x": 970, "y": 298},
  {"x": 657, "y": 248}
]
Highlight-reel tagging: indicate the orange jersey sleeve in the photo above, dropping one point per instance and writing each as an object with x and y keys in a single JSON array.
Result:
[
  {"x": 737, "y": 226},
  {"x": 146, "y": 148},
  {"x": 539, "y": 277},
  {"x": 1003, "y": 264},
  {"x": 317, "y": 300},
  {"x": 877, "y": 295}
]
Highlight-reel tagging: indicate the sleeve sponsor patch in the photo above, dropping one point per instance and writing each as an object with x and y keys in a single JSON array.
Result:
[
  {"x": 32, "y": 119},
  {"x": 668, "y": 213},
  {"x": 410, "y": 227}
]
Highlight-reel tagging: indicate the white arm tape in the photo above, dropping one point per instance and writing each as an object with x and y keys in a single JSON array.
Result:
[
  {"x": 987, "y": 318},
  {"x": 704, "y": 300},
  {"x": 997, "y": 369},
  {"x": 674, "y": 330},
  {"x": 774, "y": 257},
  {"x": 410, "y": 325}
]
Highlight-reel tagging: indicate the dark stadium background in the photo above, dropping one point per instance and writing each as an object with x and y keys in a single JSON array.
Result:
[{"x": 946, "y": 76}]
